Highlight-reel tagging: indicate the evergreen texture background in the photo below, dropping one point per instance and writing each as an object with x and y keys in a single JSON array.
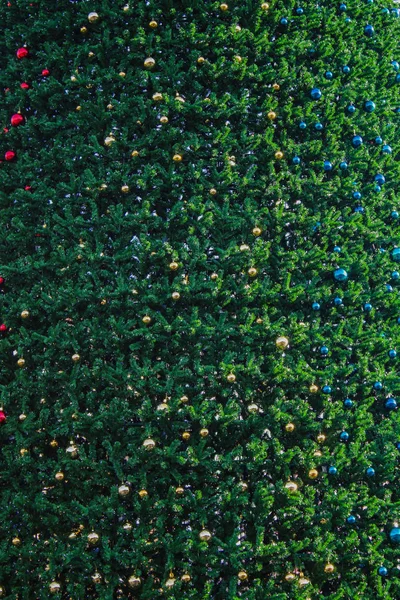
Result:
[{"x": 88, "y": 258}]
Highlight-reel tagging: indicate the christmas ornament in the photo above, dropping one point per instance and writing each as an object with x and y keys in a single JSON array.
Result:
[
  {"x": 170, "y": 581},
  {"x": 59, "y": 476},
  {"x": 153, "y": 24},
  {"x": 185, "y": 578},
  {"x": 313, "y": 473},
  {"x": 149, "y": 444},
  {"x": 332, "y": 470},
  {"x": 252, "y": 272},
  {"x": 282, "y": 342},
  {"x": 278, "y": 155},
  {"x": 110, "y": 139},
  {"x": 3, "y": 327},
  {"x": 204, "y": 535},
  {"x": 146, "y": 319},
  {"x": 134, "y": 582},
  {"x": 231, "y": 377},
  {"x": 203, "y": 433},
  {"x": 45, "y": 72},
  {"x": 253, "y": 409},
  {"x": 17, "y": 119},
  {"x": 149, "y": 63},
  {"x": 223, "y": 7},
  {"x": 16, "y": 541},
  {"x": 179, "y": 490},
  {"x": 143, "y": 493},
  {"x": 157, "y": 97},
  {"x": 93, "y": 17},
  {"x": 340, "y": 275},
  {"x": 163, "y": 120},
  {"x": 177, "y": 158},
  {"x": 175, "y": 296},
  {"x": 76, "y": 357},
  {"x": 135, "y": 153},
  {"x": 186, "y": 436},
  {"x": 271, "y": 115},
  {"x": 290, "y": 427},
  {"x": 329, "y": 568},
  {"x": 290, "y": 577},
  {"x": 54, "y": 587},
  {"x": 93, "y": 538},
  {"x": 382, "y": 571},
  {"x": 2, "y": 591},
  {"x": 124, "y": 490},
  {"x": 214, "y": 276},
  {"x": 242, "y": 575},
  {"x": 25, "y": 314},
  {"x": 96, "y": 578},
  {"x": 256, "y": 231},
  {"x": 265, "y": 6},
  {"x": 10, "y": 155},
  {"x": 22, "y": 53},
  {"x": 72, "y": 451},
  {"x": 21, "y": 362},
  {"x": 313, "y": 388},
  {"x": 316, "y": 94},
  {"x": 395, "y": 535},
  {"x": 291, "y": 486}
]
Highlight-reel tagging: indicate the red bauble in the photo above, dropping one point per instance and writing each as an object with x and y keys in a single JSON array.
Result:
[
  {"x": 1, "y": 280},
  {"x": 2, "y": 416},
  {"x": 22, "y": 53},
  {"x": 45, "y": 72},
  {"x": 5, "y": 129},
  {"x": 3, "y": 327},
  {"x": 27, "y": 188},
  {"x": 25, "y": 86},
  {"x": 10, "y": 155},
  {"x": 17, "y": 119}
]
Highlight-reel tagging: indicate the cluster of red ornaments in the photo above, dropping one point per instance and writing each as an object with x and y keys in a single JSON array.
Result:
[{"x": 2, "y": 413}]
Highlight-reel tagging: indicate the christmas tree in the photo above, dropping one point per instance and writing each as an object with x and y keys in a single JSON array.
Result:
[{"x": 200, "y": 300}]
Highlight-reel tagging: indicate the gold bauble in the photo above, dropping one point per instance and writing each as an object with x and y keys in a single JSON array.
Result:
[
  {"x": 110, "y": 106},
  {"x": 54, "y": 444},
  {"x": 72, "y": 451},
  {"x": 291, "y": 486},
  {"x": 153, "y": 24},
  {"x": 313, "y": 388},
  {"x": 179, "y": 490},
  {"x": 59, "y": 476},
  {"x": 23, "y": 451},
  {"x": 276, "y": 86},
  {"x": 201, "y": 59},
  {"x": 124, "y": 490},
  {"x": 242, "y": 575},
  {"x": 134, "y": 582},
  {"x": 125, "y": 189},
  {"x": 290, "y": 577},
  {"x": 244, "y": 247},
  {"x": 73, "y": 78},
  {"x": 157, "y": 97},
  {"x": 2, "y": 591},
  {"x": 252, "y": 272},
  {"x": 243, "y": 486},
  {"x": 162, "y": 406},
  {"x": 149, "y": 63},
  {"x": 231, "y": 377},
  {"x": 313, "y": 473},
  {"x": 76, "y": 357},
  {"x": 135, "y": 153},
  {"x": 93, "y": 538},
  {"x": 290, "y": 427},
  {"x": 78, "y": 108},
  {"x": 265, "y": 6},
  {"x": 321, "y": 438},
  {"x": 170, "y": 581},
  {"x": 329, "y": 568},
  {"x": 238, "y": 28},
  {"x": 21, "y": 362},
  {"x": 214, "y": 276},
  {"x": 253, "y": 408},
  {"x": 126, "y": 8},
  {"x": 25, "y": 314},
  {"x": 213, "y": 191},
  {"x": 127, "y": 526},
  {"x": 185, "y": 578},
  {"x": 96, "y": 578},
  {"x": 176, "y": 296},
  {"x": 204, "y": 432},
  {"x": 317, "y": 453},
  {"x": 110, "y": 139},
  {"x": 173, "y": 266},
  {"x": 271, "y": 115},
  {"x": 146, "y": 319},
  {"x": 83, "y": 29},
  {"x": 282, "y": 342},
  {"x": 164, "y": 119},
  {"x": 205, "y": 535},
  {"x": 16, "y": 541},
  {"x": 223, "y": 7},
  {"x": 238, "y": 58},
  {"x": 149, "y": 444},
  {"x": 303, "y": 581},
  {"x": 279, "y": 155},
  {"x": 54, "y": 587},
  {"x": 186, "y": 435},
  {"x": 257, "y": 231},
  {"x": 93, "y": 17},
  {"x": 184, "y": 399},
  {"x": 143, "y": 493},
  {"x": 259, "y": 320},
  {"x": 90, "y": 55},
  {"x": 22, "y": 417},
  {"x": 177, "y": 157}
]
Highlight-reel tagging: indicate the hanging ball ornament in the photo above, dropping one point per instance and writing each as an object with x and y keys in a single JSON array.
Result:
[
  {"x": 16, "y": 541},
  {"x": 185, "y": 578},
  {"x": 10, "y": 155},
  {"x": 291, "y": 486},
  {"x": 242, "y": 575},
  {"x": 175, "y": 295},
  {"x": 93, "y": 17},
  {"x": 252, "y": 272},
  {"x": 146, "y": 319},
  {"x": 223, "y": 7},
  {"x": 72, "y": 451},
  {"x": 157, "y": 97},
  {"x": 204, "y": 432},
  {"x": 395, "y": 535},
  {"x": 173, "y": 266},
  {"x": 179, "y": 490},
  {"x": 17, "y": 119},
  {"x": 143, "y": 493},
  {"x": 124, "y": 490},
  {"x": 279, "y": 155},
  {"x": 231, "y": 377},
  {"x": 282, "y": 342},
  {"x": 205, "y": 535},
  {"x": 22, "y": 53},
  {"x": 153, "y": 24},
  {"x": 257, "y": 231},
  {"x": 149, "y": 63},
  {"x": 253, "y": 408},
  {"x": 93, "y": 538},
  {"x": 313, "y": 473},
  {"x": 265, "y": 6},
  {"x": 2, "y": 416},
  {"x": 110, "y": 139},
  {"x": 177, "y": 158},
  {"x": 59, "y": 476},
  {"x": 134, "y": 582},
  {"x": 290, "y": 577},
  {"x": 186, "y": 436},
  {"x": 76, "y": 357},
  {"x": 96, "y": 578},
  {"x": 329, "y": 568},
  {"x": 290, "y": 427},
  {"x": 25, "y": 314},
  {"x": 54, "y": 587},
  {"x": 149, "y": 444},
  {"x": 21, "y": 362},
  {"x": 2, "y": 591}
]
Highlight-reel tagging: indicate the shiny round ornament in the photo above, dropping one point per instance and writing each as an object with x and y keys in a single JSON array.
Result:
[
  {"x": 2, "y": 591},
  {"x": 179, "y": 490},
  {"x": 356, "y": 141},
  {"x": 59, "y": 476},
  {"x": 369, "y": 30},
  {"x": 186, "y": 436},
  {"x": 341, "y": 274},
  {"x": 279, "y": 155},
  {"x": 242, "y": 576},
  {"x": 291, "y": 486},
  {"x": 370, "y": 472},
  {"x": 110, "y": 139},
  {"x": 22, "y": 53},
  {"x": 395, "y": 535},
  {"x": 17, "y": 119},
  {"x": 93, "y": 17},
  {"x": 329, "y": 568},
  {"x": 271, "y": 115},
  {"x": 224, "y": 7},
  {"x": 386, "y": 149},
  {"x": 392, "y": 353},
  {"x": 170, "y": 581},
  {"x": 313, "y": 473},
  {"x": 351, "y": 519},
  {"x": 326, "y": 389},
  {"x": 124, "y": 490},
  {"x": 231, "y": 377},
  {"x": 204, "y": 432},
  {"x": 344, "y": 436},
  {"x": 313, "y": 388},
  {"x": 382, "y": 571},
  {"x": 93, "y": 538},
  {"x": 175, "y": 295},
  {"x": 146, "y": 319},
  {"x": 289, "y": 577},
  {"x": 143, "y": 493},
  {"x": 153, "y": 24},
  {"x": 149, "y": 63},
  {"x": 391, "y": 404},
  {"x": 149, "y": 444},
  {"x": 76, "y": 357},
  {"x": 72, "y": 451},
  {"x": 185, "y": 578},
  {"x": 205, "y": 535},
  {"x": 369, "y": 106},
  {"x": 332, "y": 470},
  {"x": 289, "y": 427},
  {"x": 316, "y": 94},
  {"x": 253, "y": 409},
  {"x": 125, "y": 189},
  {"x": 16, "y": 541},
  {"x": 9, "y": 155},
  {"x": 296, "y": 160},
  {"x": 134, "y": 582},
  {"x": 253, "y": 272},
  {"x": 257, "y": 231},
  {"x": 282, "y": 342},
  {"x": 54, "y": 587},
  {"x": 177, "y": 157},
  {"x": 96, "y": 578}
]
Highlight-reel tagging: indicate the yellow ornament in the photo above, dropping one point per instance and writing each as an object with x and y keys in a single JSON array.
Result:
[
  {"x": 157, "y": 97},
  {"x": 205, "y": 535},
  {"x": 242, "y": 575},
  {"x": 231, "y": 377},
  {"x": 271, "y": 115},
  {"x": 186, "y": 436},
  {"x": 213, "y": 191},
  {"x": 93, "y": 538},
  {"x": 257, "y": 231},
  {"x": 282, "y": 342},
  {"x": 78, "y": 108},
  {"x": 185, "y": 578},
  {"x": 276, "y": 86},
  {"x": 96, "y": 578},
  {"x": 22, "y": 417},
  {"x": 72, "y": 451},
  {"x": 126, "y": 8},
  {"x": 265, "y": 6},
  {"x": 16, "y": 541},
  {"x": 59, "y": 476},
  {"x": 253, "y": 408},
  {"x": 110, "y": 139},
  {"x": 252, "y": 272},
  {"x": 76, "y": 357},
  {"x": 244, "y": 247},
  {"x": 184, "y": 399},
  {"x": 170, "y": 581},
  {"x": 21, "y": 362},
  {"x": 93, "y": 17},
  {"x": 162, "y": 406},
  {"x": 25, "y": 314},
  {"x": 127, "y": 526},
  {"x": 176, "y": 296},
  {"x": 223, "y": 7},
  {"x": 313, "y": 388},
  {"x": 179, "y": 490},
  {"x": 214, "y": 276},
  {"x": 201, "y": 59},
  {"x": 279, "y": 155},
  {"x": 125, "y": 189},
  {"x": 124, "y": 490},
  {"x": 54, "y": 587},
  {"x": 163, "y": 120},
  {"x": 134, "y": 582},
  {"x": 329, "y": 568},
  {"x": 173, "y": 266},
  {"x": 321, "y": 438},
  {"x": 149, "y": 444},
  {"x": 149, "y": 63},
  {"x": 90, "y": 55},
  {"x": 291, "y": 486},
  {"x": 153, "y": 24},
  {"x": 243, "y": 486},
  {"x": 290, "y": 577},
  {"x": 146, "y": 319},
  {"x": 177, "y": 157},
  {"x": 290, "y": 427},
  {"x": 259, "y": 320},
  {"x": 54, "y": 443},
  {"x": 73, "y": 78},
  {"x": 23, "y": 451},
  {"x": 143, "y": 493},
  {"x": 313, "y": 473},
  {"x": 203, "y": 432},
  {"x": 83, "y": 29},
  {"x": 303, "y": 581}
]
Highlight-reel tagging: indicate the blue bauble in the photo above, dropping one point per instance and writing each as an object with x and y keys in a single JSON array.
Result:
[
  {"x": 347, "y": 20},
  {"x": 316, "y": 306},
  {"x": 299, "y": 11},
  {"x": 357, "y": 195},
  {"x": 367, "y": 307},
  {"x": 380, "y": 179},
  {"x": 338, "y": 301},
  {"x": 385, "y": 11},
  {"x": 395, "y": 274},
  {"x": 396, "y": 254},
  {"x": 395, "y": 12},
  {"x": 332, "y": 470},
  {"x": 327, "y": 165},
  {"x": 342, "y": 7},
  {"x": 370, "y": 472},
  {"x": 359, "y": 209},
  {"x": 398, "y": 320},
  {"x": 386, "y": 149},
  {"x": 284, "y": 21},
  {"x": 398, "y": 445},
  {"x": 395, "y": 535},
  {"x": 344, "y": 436},
  {"x": 391, "y": 404},
  {"x": 389, "y": 288},
  {"x": 369, "y": 30},
  {"x": 324, "y": 350},
  {"x": 302, "y": 125},
  {"x": 369, "y": 106},
  {"x": 395, "y": 215},
  {"x": 343, "y": 165},
  {"x": 346, "y": 69},
  {"x": 377, "y": 188},
  {"x": 356, "y": 141},
  {"x": 341, "y": 274},
  {"x": 328, "y": 75},
  {"x": 296, "y": 160},
  {"x": 378, "y": 140},
  {"x": 351, "y": 108},
  {"x": 326, "y": 389},
  {"x": 318, "y": 126},
  {"x": 397, "y": 78},
  {"x": 392, "y": 353},
  {"x": 316, "y": 94},
  {"x": 351, "y": 519},
  {"x": 378, "y": 385},
  {"x": 382, "y": 571},
  {"x": 337, "y": 249},
  {"x": 348, "y": 403},
  {"x": 395, "y": 65}
]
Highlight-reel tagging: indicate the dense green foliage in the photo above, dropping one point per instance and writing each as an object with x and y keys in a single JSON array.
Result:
[{"x": 95, "y": 238}]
